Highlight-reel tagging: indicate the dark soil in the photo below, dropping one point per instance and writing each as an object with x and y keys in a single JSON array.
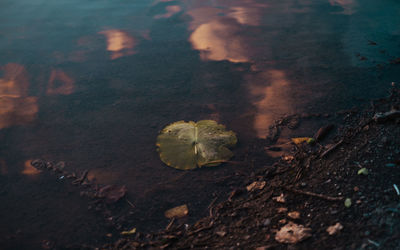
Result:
[{"x": 315, "y": 180}]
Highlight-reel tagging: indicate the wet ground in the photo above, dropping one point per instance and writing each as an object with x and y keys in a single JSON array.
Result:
[{"x": 91, "y": 83}]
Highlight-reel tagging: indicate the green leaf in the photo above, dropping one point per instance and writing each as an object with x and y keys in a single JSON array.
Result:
[
  {"x": 187, "y": 145},
  {"x": 363, "y": 171},
  {"x": 347, "y": 202}
]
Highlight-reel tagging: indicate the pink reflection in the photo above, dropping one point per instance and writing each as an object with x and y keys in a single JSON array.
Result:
[
  {"x": 60, "y": 83},
  {"x": 218, "y": 40},
  {"x": 119, "y": 43},
  {"x": 16, "y": 107},
  {"x": 171, "y": 10},
  {"x": 270, "y": 90}
]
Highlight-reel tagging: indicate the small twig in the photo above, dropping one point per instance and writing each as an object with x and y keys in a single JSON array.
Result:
[
  {"x": 333, "y": 147},
  {"x": 170, "y": 224},
  {"x": 130, "y": 203},
  {"x": 210, "y": 207},
  {"x": 325, "y": 197},
  {"x": 82, "y": 178}
]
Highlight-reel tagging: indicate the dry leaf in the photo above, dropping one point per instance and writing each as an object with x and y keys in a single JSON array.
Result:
[
  {"x": 292, "y": 233},
  {"x": 177, "y": 212},
  {"x": 256, "y": 185},
  {"x": 334, "y": 229},
  {"x": 294, "y": 215}
]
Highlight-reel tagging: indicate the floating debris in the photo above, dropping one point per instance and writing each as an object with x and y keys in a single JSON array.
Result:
[
  {"x": 363, "y": 171},
  {"x": 177, "y": 212}
]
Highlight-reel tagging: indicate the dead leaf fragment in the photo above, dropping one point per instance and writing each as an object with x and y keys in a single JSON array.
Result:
[
  {"x": 292, "y": 233},
  {"x": 132, "y": 231},
  {"x": 112, "y": 193},
  {"x": 257, "y": 185},
  {"x": 281, "y": 210},
  {"x": 280, "y": 198},
  {"x": 300, "y": 140},
  {"x": 334, "y": 229},
  {"x": 177, "y": 212},
  {"x": 294, "y": 215}
]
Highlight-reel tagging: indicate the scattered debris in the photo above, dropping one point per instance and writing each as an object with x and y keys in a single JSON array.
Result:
[
  {"x": 112, "y": 193},
  {"x": 280, "y": 198},
  {"x": 132, "y": 231},
  {"x": 177, "y": 212},
  {"x": 294, "y": 215},
  {"x": 334, "y": 229},
  {"x": 292, "y": 233},
  {"x": 390, "y": 165},
  {"x": 257, "y": 185}
]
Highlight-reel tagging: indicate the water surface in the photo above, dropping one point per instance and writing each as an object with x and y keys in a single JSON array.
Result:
[{"x": 92, "y": 83}]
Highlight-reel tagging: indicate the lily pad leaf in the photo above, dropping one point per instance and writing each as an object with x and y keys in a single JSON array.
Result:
[{"x": 187, "y": 145}]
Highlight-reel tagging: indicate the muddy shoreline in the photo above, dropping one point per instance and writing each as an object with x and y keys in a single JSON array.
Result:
[{"x": 346, "y": 181}]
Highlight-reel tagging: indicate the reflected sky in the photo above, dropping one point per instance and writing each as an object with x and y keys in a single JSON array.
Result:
[{"x": 91, "y": 83}]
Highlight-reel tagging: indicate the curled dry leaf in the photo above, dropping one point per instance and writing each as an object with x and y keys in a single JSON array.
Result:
[
  {"x": 292, "y": 233},
  {"x": 112, "y": 193},
  {"x": 256, "y": 185},
  {"x": 177, "y": 212},
  {"x": 334, "y": 229}
]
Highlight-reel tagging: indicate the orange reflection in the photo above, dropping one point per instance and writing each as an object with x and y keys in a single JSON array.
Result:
[
  {"x": 16, "y": 107},
  {"x": 60, "y": 83},
  {"x": 29, "y": 169},
  {"x": 270, "y": 90},
  {"x": 218, "y": 40},
  {"x": 171, "y": 10},
  {"x": 119, "y": 43}
]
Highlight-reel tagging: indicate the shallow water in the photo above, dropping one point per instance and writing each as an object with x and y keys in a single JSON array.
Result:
[{"x": 91, "y": 83}]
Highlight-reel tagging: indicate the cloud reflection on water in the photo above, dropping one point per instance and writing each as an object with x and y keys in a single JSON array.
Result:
[
  {"x": 119, "y": 43},
  {"x": 16, "y": 107}
]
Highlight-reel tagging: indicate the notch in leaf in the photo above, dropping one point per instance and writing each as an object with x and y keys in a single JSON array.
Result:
[{"x": 187, "y": 145}]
